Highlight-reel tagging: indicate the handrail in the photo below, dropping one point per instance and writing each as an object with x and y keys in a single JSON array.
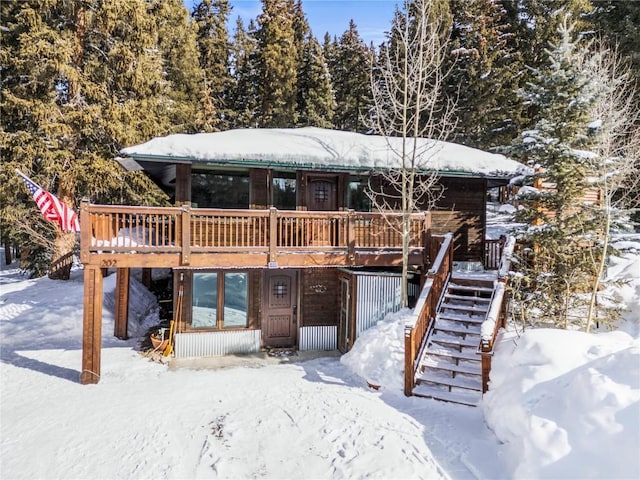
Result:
[
  {"x": 423, "y": 316},
  {"x": 495, "y": 318}
]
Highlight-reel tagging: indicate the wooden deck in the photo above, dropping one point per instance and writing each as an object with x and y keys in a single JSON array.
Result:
[{"x": 125, "y": 236}]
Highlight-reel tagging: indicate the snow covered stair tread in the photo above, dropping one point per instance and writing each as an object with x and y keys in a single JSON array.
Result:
[
  {"x": 469, "y": 368},
  {"x": 460, "y": 381},
  {"x": 461, "y": 318},
  {"x": 454, "y": 340},
  {"x": 465, "y": 308},
  {"x": 443, "y": 352},
  {"x": 464, "y": 398},
  {"x": 470, "y": 288},
  {"x": 455, "y": 327},
  {"x": 467, "y": 298}
]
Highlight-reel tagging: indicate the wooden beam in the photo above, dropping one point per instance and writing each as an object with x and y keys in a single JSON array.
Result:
[
  {"x": 146, "y": 277},
  {"x": 122, "y": 303},
  {"x": 92, "y": 326}
]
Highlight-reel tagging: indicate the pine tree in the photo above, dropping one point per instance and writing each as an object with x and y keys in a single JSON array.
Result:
[
  {"x": 484, "y": 76},
  {"x": 177, "y": 43},
  {"x": 276, "y": 57},
  {"x": 211, "y": 17},
  {"x": 350, "y": 71},
  {"x": 80, "y": 81},
  {"x": 315, "y": 94},
  {"x": 243, "y": 98},
  {"x": 562, "y": 232}
]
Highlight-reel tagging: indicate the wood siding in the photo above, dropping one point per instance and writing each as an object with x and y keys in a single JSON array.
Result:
[{"x": 320, "y": 296}]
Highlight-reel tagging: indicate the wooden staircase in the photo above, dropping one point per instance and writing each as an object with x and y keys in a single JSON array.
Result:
[{"x": 450, "y": 368}]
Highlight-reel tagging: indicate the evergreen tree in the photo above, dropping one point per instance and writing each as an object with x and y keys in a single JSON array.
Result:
[
  {"x": 243, "y": 98},
  {"x": 177, "y": 43},
  {"x": 211, "y": 17},
  {"x": 562, "y": 225},
  {"x": 315, "y": 95},
  {"x": 276, "y": 57},
  {"x": 80, "y": 81},
  {"x": 484, "y": 73},
  {"x": 350, "y": 71}
]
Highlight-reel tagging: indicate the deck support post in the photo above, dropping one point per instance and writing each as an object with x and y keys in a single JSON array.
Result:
[
  {"x": 92, "y": 325},
  {"x": 146, "y": 277},
  {"x": 122, "y": 303}
]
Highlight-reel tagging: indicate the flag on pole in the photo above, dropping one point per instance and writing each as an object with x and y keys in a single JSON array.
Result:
[{"x": 51, "y": 207}]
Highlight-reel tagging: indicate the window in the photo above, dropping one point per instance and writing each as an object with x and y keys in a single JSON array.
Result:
[
  {"x": 284, "y": 191},
  {"x": 206, "y": 289},
  {"x": 357, "y": 198},
  {"x": 220, "y": 190}
]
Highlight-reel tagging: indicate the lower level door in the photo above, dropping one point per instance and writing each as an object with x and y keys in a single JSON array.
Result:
[{"x": 280, "y": 300}]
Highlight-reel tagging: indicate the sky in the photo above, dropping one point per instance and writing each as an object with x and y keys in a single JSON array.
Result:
[{"x": 372, "y": 17}]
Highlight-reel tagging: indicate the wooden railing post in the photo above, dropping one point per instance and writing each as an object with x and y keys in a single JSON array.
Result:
[
  {"x": 486, "y": 370},
  {"x": 351, "y": 236},
  {"x": 85, "y": 230},
  {"x": 185, "y": 225},
  {"x": 273, "y": 235},
  {"x": 409, "y": 357}
]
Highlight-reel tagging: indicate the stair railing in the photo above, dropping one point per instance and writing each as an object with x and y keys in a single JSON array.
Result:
[
  {"x": 421, "y": 321},
  {"x": 496, "y": 317}
]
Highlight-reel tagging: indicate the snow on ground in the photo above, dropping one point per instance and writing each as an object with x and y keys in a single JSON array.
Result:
[
  {"x": 312, "y": 419},
  {"x": 562, "y": 404}
]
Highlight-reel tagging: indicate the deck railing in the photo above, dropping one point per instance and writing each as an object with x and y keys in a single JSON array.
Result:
[
  {"x": 493, "y": 249},
  {"x": 426, "y": 307},
  {"x": 186, "y": 230}
]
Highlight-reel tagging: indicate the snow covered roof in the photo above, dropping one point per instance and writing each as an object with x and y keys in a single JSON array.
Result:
[{"x": 318, "y": 149}]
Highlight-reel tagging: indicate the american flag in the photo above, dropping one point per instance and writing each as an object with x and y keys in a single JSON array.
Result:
[{"x": 51, "y": 207}]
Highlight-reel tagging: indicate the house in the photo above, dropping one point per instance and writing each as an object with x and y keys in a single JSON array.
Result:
[{"x": 272, "y": 239}]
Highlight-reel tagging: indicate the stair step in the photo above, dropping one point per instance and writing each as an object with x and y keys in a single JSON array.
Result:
[
  {"x": 442, "y": 352},
  {"x": 456, "y": 328},
  {"x": 464, "y": 398},
  {"x": 467, "y": 368},
  {"x": 469, "y": 288},
  {"x": 467, "y": 298},
  {"x": 465, "y": 308},
  {"x": 468, "y": 383},
  {"x": 454, "y": 340},
  {"x": 460, "y": 318}
]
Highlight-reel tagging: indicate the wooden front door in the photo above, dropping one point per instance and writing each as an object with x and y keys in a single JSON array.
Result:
[
  {"x": 279, "y": 322},
  {"x": 322, "y": 194}
]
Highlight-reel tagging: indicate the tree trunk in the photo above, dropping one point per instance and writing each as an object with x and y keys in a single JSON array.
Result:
[
  {"x": 7, "y": 250},
  {"x": 62, "y": 259}
]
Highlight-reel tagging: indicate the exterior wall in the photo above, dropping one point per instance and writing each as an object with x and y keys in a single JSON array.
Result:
[
  {"x": 462, "y": 211},
  {"x": 319, "y": 296}
]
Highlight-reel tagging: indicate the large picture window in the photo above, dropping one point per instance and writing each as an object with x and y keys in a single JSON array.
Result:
[
  {"x": 283, "y": 188},
  {"x": 357, "y": 198},
  {"x": 219, "y": 300},
  {"x": 220, "y": 190}
]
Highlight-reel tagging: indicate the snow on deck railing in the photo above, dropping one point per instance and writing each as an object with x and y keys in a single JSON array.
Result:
[
  {"x": 422, "y": 299},
  {"x": 507, "y": 253},
  {"x": 489, "y": 325}
]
